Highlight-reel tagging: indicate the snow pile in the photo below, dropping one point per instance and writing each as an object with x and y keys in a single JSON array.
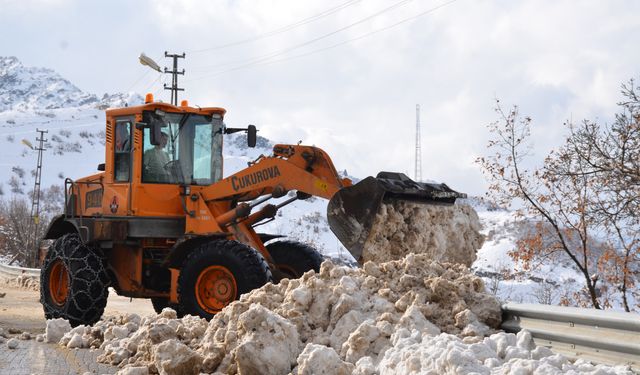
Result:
[
  {"x": 445, "y": 233},
  {"x": 408, "y": 316},
  {"x": 162, "y": 342},
  {"x": 352, "y": 312},
  {"x": 333, "y": 319}
]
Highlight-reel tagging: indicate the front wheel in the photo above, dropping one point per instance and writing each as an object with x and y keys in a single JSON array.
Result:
[
  {"x": 216, "y": 274},
  {"x": 73, "y": 282}
]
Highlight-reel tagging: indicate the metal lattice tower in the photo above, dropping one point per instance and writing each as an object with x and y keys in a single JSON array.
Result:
[
  {"x": 418, "y": 163},
  {"x": 35, "y": 201},
  {"x": 174, "y": 77}
]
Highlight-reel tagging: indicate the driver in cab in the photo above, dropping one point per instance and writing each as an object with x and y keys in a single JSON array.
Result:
[{"x": 155, "y": 161}]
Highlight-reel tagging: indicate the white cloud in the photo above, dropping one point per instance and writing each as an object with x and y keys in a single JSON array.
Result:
[{"x": 556, "y": 59}]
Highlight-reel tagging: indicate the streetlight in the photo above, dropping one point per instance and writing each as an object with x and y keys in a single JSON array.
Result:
[{"x": 148, "y": 61}]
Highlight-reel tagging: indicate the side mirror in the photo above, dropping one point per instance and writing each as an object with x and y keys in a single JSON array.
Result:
[
  {"x": 155, "y": 133},
  {"x": 101, "y": 167},
  {"x": 251, "y": 136}
]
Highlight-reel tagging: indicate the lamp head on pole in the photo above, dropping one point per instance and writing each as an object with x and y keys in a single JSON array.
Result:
[{"x": 148, "y": 61}]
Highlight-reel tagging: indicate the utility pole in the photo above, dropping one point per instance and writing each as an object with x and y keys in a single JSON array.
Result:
[
  {"x": 35, "y": 201},
  {"x": 174, "y": 79},
  {"x": 418, "y": 163}
]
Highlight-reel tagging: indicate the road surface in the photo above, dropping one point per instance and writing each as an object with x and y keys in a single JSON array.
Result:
[{"x": 20, "y": 310}]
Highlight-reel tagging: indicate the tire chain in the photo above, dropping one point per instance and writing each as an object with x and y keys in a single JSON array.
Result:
[{"x": 88, "y": 281}]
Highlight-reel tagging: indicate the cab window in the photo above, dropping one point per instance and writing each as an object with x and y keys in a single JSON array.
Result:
[
  {"x": 122, "y": 151},
  {"x": 189, "y": 152}
]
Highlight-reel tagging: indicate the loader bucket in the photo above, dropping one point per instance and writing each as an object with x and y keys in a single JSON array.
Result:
[{"x": 352, "y": 210}]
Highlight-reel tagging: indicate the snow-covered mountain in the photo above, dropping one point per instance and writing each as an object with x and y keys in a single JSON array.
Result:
[
  {"x": 39, "y": 90},
  {"x": 38, "y": 98}
]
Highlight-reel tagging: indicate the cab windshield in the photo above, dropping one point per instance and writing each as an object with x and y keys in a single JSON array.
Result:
[{"x": 189, "y": 153}]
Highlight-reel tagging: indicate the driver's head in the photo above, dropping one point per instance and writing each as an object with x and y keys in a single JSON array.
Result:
[{"x": 163, "y": 140}]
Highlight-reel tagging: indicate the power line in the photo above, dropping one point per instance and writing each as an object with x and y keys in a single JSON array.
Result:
[
  {"x": 294, "y": 47},
  {"x": 156, "y": 80},
  {"x": 146, "y": 72},
  {"x": 281, "y": 29},
  {"x": 405, "y": 20}
]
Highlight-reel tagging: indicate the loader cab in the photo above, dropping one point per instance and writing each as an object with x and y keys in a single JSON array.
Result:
[{"x": 154, "y": 150}]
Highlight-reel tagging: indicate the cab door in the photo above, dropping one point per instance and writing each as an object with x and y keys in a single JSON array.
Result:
[
  {"x": 155, "y": 195},
  {"x": 117, "y": 200}
]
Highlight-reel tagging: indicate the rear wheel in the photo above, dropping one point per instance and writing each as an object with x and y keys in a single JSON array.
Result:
[
  {"x": 73, "y": 282},
  {"x": 293, "y": 259},
  {"x": 216, "y": 274}
]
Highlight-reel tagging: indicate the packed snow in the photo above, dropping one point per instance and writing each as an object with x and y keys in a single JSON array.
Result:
[
  {"x": 445, "y": 233},
  {"x": 406, "y": 316}
]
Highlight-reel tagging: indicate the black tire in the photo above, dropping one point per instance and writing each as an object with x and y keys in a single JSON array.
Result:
[
  {"x": 80, "y": 279},
  {"x": 293, "y": 259},
  {"x": 241, "y": 269}
]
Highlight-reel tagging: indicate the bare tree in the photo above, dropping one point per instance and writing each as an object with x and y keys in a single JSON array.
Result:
[
  {"x": 610, "y": 153},
  {"x": 561, "y": 204},
  {"x": 17, "y": 237},
  {"x": 546, "y": 293},
  {"x": 589, "y": 187},
  {"x": 15, "y": 228}
]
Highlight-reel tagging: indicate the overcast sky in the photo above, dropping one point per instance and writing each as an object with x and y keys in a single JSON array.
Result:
[{"x": 556, "y": 59}]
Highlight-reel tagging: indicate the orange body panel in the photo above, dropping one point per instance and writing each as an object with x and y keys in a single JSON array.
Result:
[{"x": 206, "y": 210}]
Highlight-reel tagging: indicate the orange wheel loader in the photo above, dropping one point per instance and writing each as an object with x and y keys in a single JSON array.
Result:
[{"x": 159, "y": 220}]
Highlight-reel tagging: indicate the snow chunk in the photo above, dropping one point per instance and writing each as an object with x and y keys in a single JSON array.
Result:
[
  {"x": 140, "y": 370},
  {"x": 269, "y": 345},
  {"x": 12, "y": 344},
  {"x": 55, "y": 329},
  {"x": 319, "y": 359},
  {"x": 174, "y": 358}
]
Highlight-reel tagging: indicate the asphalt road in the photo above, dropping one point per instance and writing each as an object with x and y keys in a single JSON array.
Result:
[{"x": 20, "y": 310}]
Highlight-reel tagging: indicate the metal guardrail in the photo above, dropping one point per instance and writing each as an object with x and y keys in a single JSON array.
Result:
[
  {"x": 10, "y": 272},
  {"x": 601, "y": 336}
]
